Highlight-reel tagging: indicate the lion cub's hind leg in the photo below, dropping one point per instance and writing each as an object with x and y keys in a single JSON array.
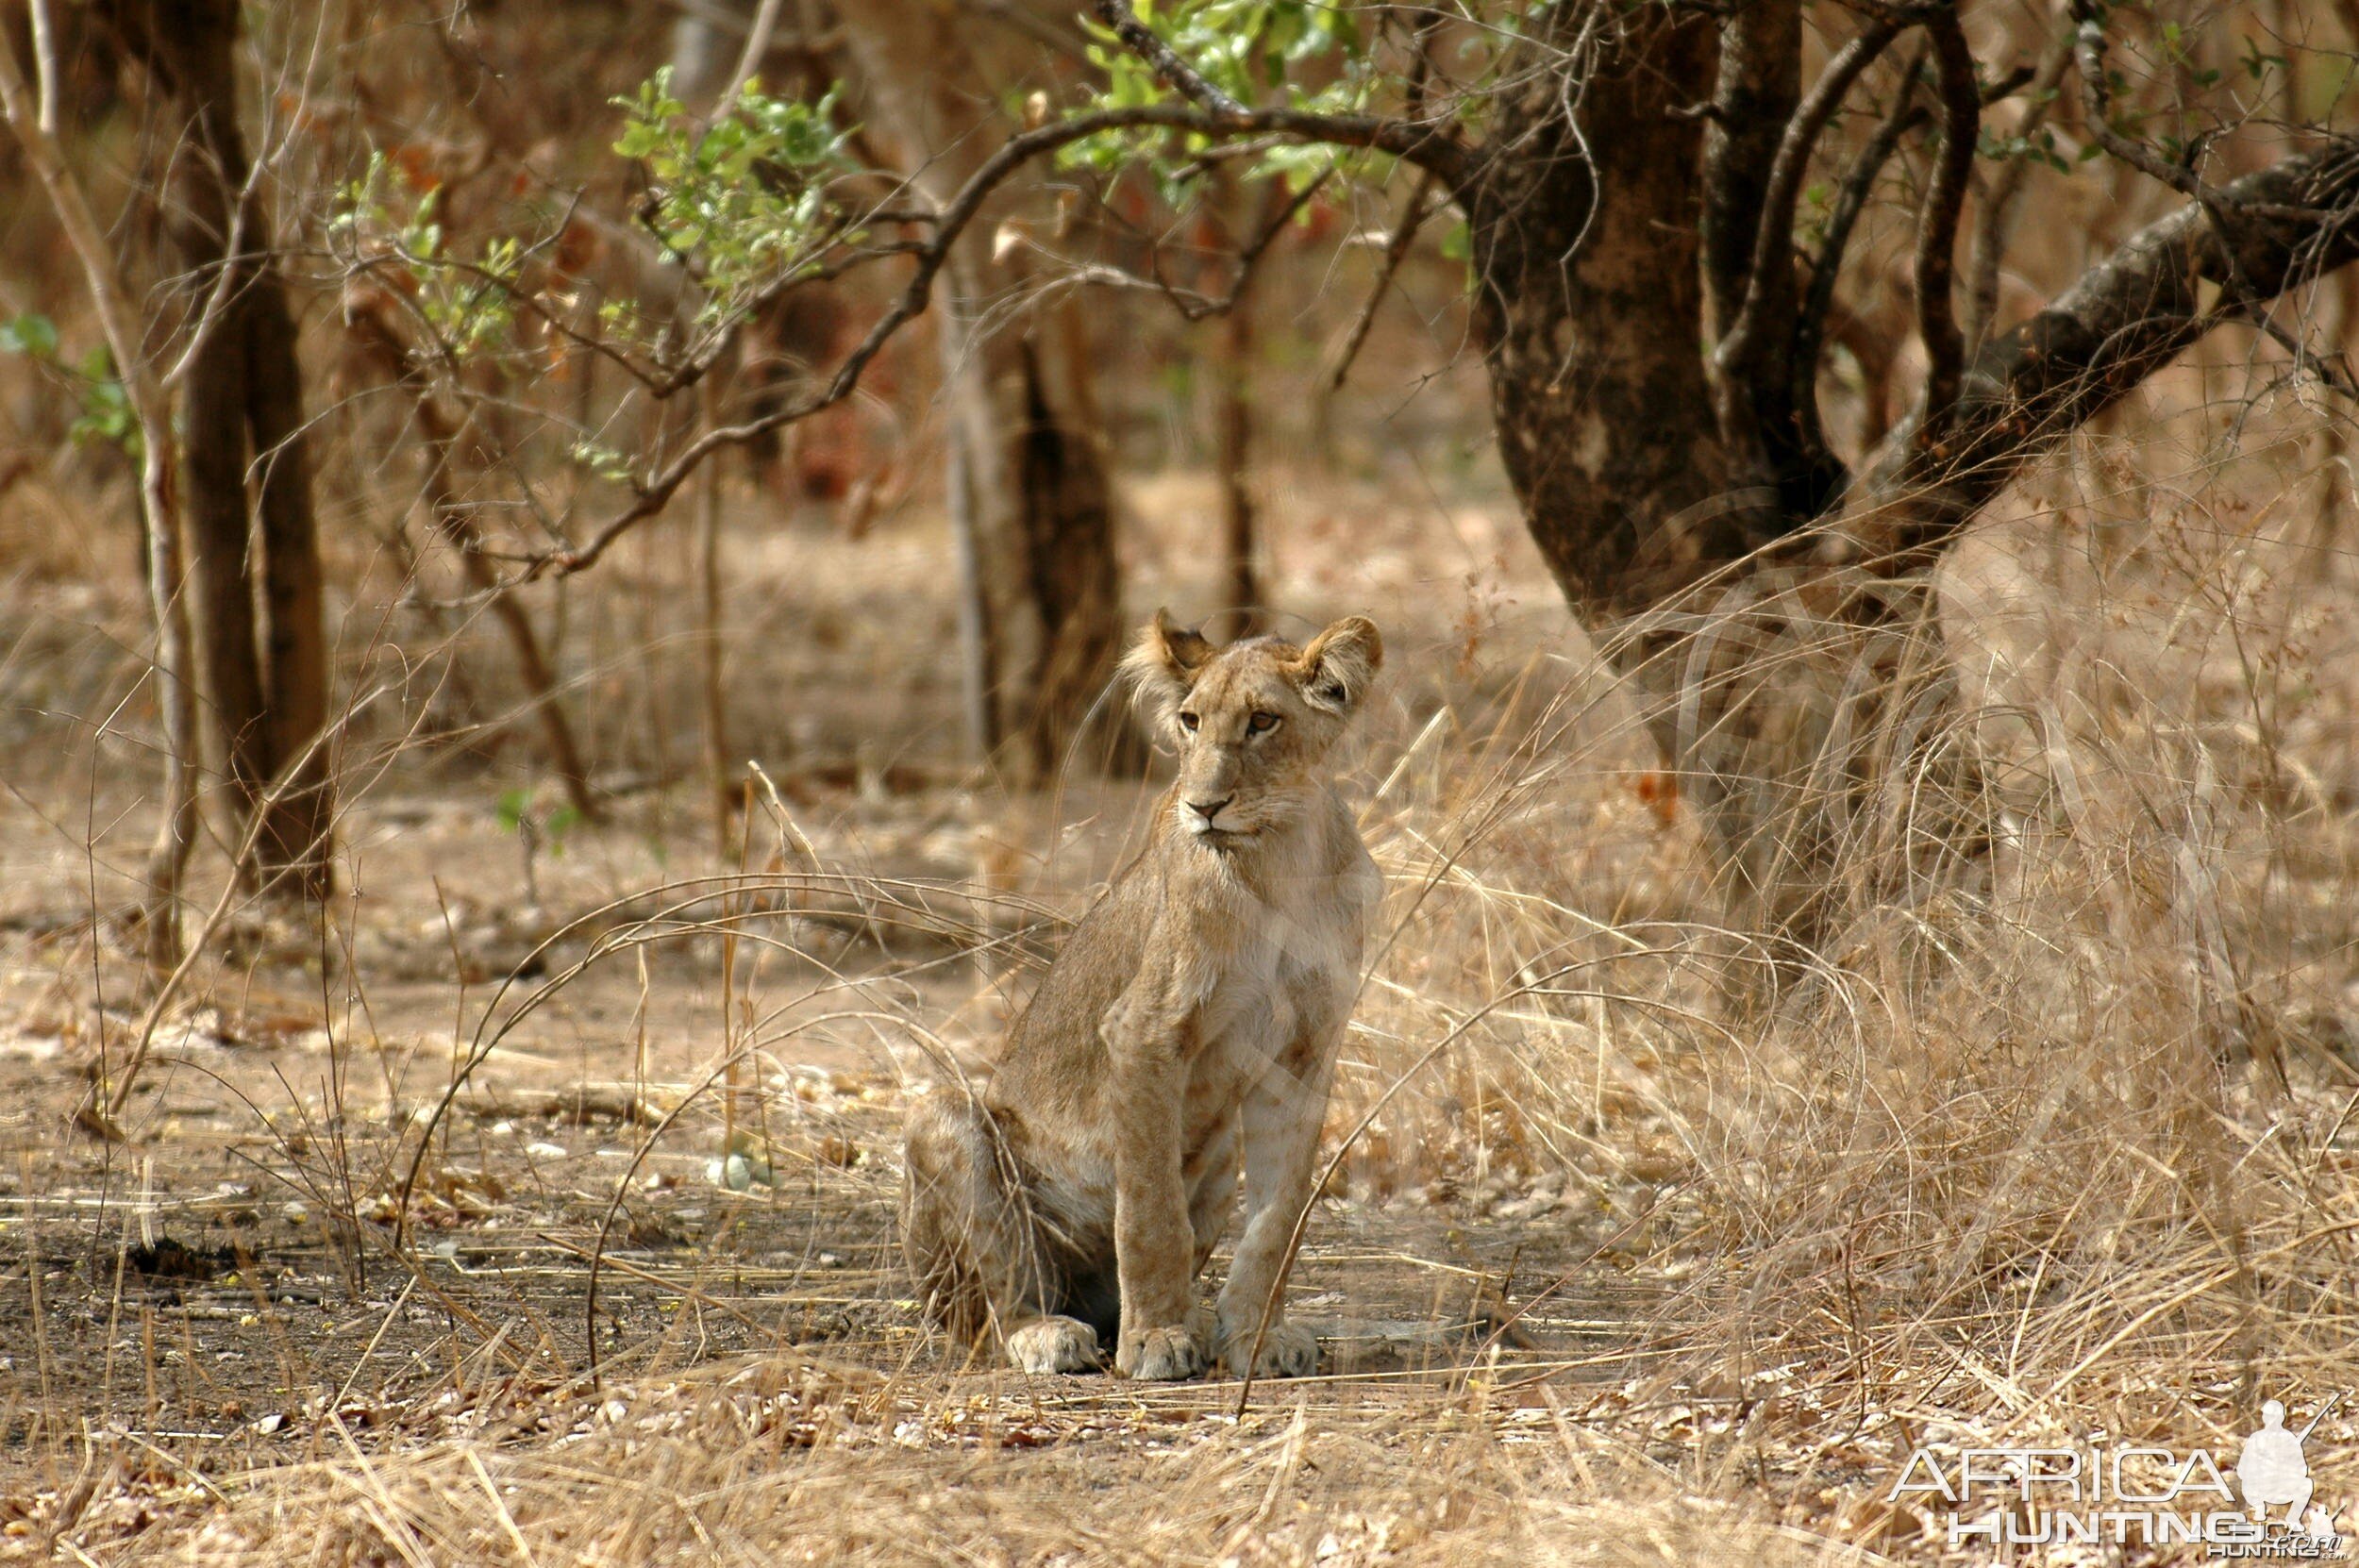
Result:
[
  {"x": 974, "y": 1246},
  {"x": 984, "y": 1260}
]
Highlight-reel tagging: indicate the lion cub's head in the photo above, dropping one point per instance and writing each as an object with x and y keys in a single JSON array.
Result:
[{"x": 1251, "y": 722}]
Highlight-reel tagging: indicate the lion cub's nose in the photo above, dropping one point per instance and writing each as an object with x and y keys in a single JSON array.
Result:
[{"x": 1207, "y": 810}]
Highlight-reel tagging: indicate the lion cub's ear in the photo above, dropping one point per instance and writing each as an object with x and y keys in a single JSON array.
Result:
[
  {"x": 1162, "y": 665},
  {"x": 1336, "y": 670}
]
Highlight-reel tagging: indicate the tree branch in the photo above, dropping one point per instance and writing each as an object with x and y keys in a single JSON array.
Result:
[
  {"x": 1773, "y": 237},
  {"x": 1752, "y": 391},
  {"x": 1428, "y": 147},
  {"x": 1162, "y": 58},
  {"x": 2089, "y": 50},
  {"x": 654, "y": 491},
  {"x": 1810, "y": 322},
  {"x": 2125, "y": 319},
  {"x": 1990, "y": 232},
  {"x": 1422, "y": 204},
  {"x": 1937, "y": 224},
  {"x": 1750, "y": 121}
]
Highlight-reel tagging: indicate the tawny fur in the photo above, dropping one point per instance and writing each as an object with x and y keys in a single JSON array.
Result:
[{"x": 1189, "y": 1026}]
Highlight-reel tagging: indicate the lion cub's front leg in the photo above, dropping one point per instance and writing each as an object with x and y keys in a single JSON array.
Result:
[
  {"x": 1154, "y": 1240},
  {"x": 1283, "y": 1113}
]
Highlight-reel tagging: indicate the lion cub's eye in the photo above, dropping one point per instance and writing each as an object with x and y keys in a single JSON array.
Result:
[
  {"x": 1261, "y": 723},
  {"x": 1188, "y": 722}
]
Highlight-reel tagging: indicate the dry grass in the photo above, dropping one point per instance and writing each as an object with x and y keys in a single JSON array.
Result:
[{"x": 2009, "y": 1101}]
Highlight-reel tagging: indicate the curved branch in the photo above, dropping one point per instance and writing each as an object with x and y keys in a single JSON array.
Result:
[
  {"x": 1162, "y": 58},
  {"x": 1427, "y": 145},
  {"x": 1998, "y": 203},
  {"x": 1810, "y": 324},
  {"x": 1773, "y": 237},
  {"x": 1937, "y": 224},
  {"x": 2125, "y": 319}
]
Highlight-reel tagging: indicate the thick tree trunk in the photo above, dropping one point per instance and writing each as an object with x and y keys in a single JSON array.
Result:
[
  {"x": 1075, "y": 582},
  {"x": 1601, "y": 267},
  {"x": 1034, "y": 510},
  {"x": 1589, "y": 306}
]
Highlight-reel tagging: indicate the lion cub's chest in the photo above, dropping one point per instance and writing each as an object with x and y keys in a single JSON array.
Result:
[{"x": 1284, "y": 969}]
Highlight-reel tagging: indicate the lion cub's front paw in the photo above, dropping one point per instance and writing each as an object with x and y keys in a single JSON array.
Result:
[
  {"x": 1159, "y": 1354},
  {"x": 1288, "y": 1350},
  {"x": 1054, "y": 1344}
]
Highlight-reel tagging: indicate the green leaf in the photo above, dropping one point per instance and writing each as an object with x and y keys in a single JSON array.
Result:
[
  {"x": 29, "y": 334},
  {"x": 561, "y": 822},
  {"x": 513, "y": 804}
]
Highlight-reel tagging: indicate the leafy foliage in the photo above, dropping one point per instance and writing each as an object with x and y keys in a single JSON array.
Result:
[
  {"x": 105, "y": 405},
  {"x": 743, "y": 201},
  {"x": 1249, "y": 49},
  {"x": 469, "y": 304}
]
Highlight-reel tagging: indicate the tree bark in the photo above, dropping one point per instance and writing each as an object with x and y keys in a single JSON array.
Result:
[
  {"x": 1233, "y": 419},
  {"x": 1075, "y": 579},
  {"x": 298, "y": 819},
  {"x": 1241, "y": 586},
  {"x": 243, "y": 414},
  {"x": 203, "y": 224},
  {"x": 1588, "y": 304}
]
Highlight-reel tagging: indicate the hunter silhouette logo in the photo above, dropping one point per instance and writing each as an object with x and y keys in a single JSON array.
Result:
[
  {"x": 2272, "y": 1473},
  {"x": 2134, "y": 1495}
]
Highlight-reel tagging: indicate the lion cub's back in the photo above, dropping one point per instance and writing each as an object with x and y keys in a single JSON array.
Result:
[{"x": 1054, "y": 1052}]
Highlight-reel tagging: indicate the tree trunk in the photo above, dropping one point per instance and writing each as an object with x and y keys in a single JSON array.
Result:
[
  {"x": 242, "y": 411},
  {"x": 297, "y": 822},
  {"x": 1241, "y": 585},
  {"x": 203, "y": 224},
  {"x": 1042, "y": 619},
  {"x": 1034, "y": 512},
  {"x": 1232, "y": 455},
  {"x": 1074, "y": 579},
  {"x": 1588, "y": 304}
]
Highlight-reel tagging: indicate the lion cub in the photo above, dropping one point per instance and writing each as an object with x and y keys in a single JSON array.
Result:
[{"x": 1192, "y": 1020}]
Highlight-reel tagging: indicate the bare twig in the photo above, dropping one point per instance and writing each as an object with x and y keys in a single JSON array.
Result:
[
  {"x": 1414, "y": 143},
  {"x": 1422, "y": 205},
  {"x": 160, "y": 501},
  {"x": 2089, "y": 51},
  {"x": 749, "y": 59},
  {"x": 45, "y": 66},
  {"x": 1998, "y": 203}
]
